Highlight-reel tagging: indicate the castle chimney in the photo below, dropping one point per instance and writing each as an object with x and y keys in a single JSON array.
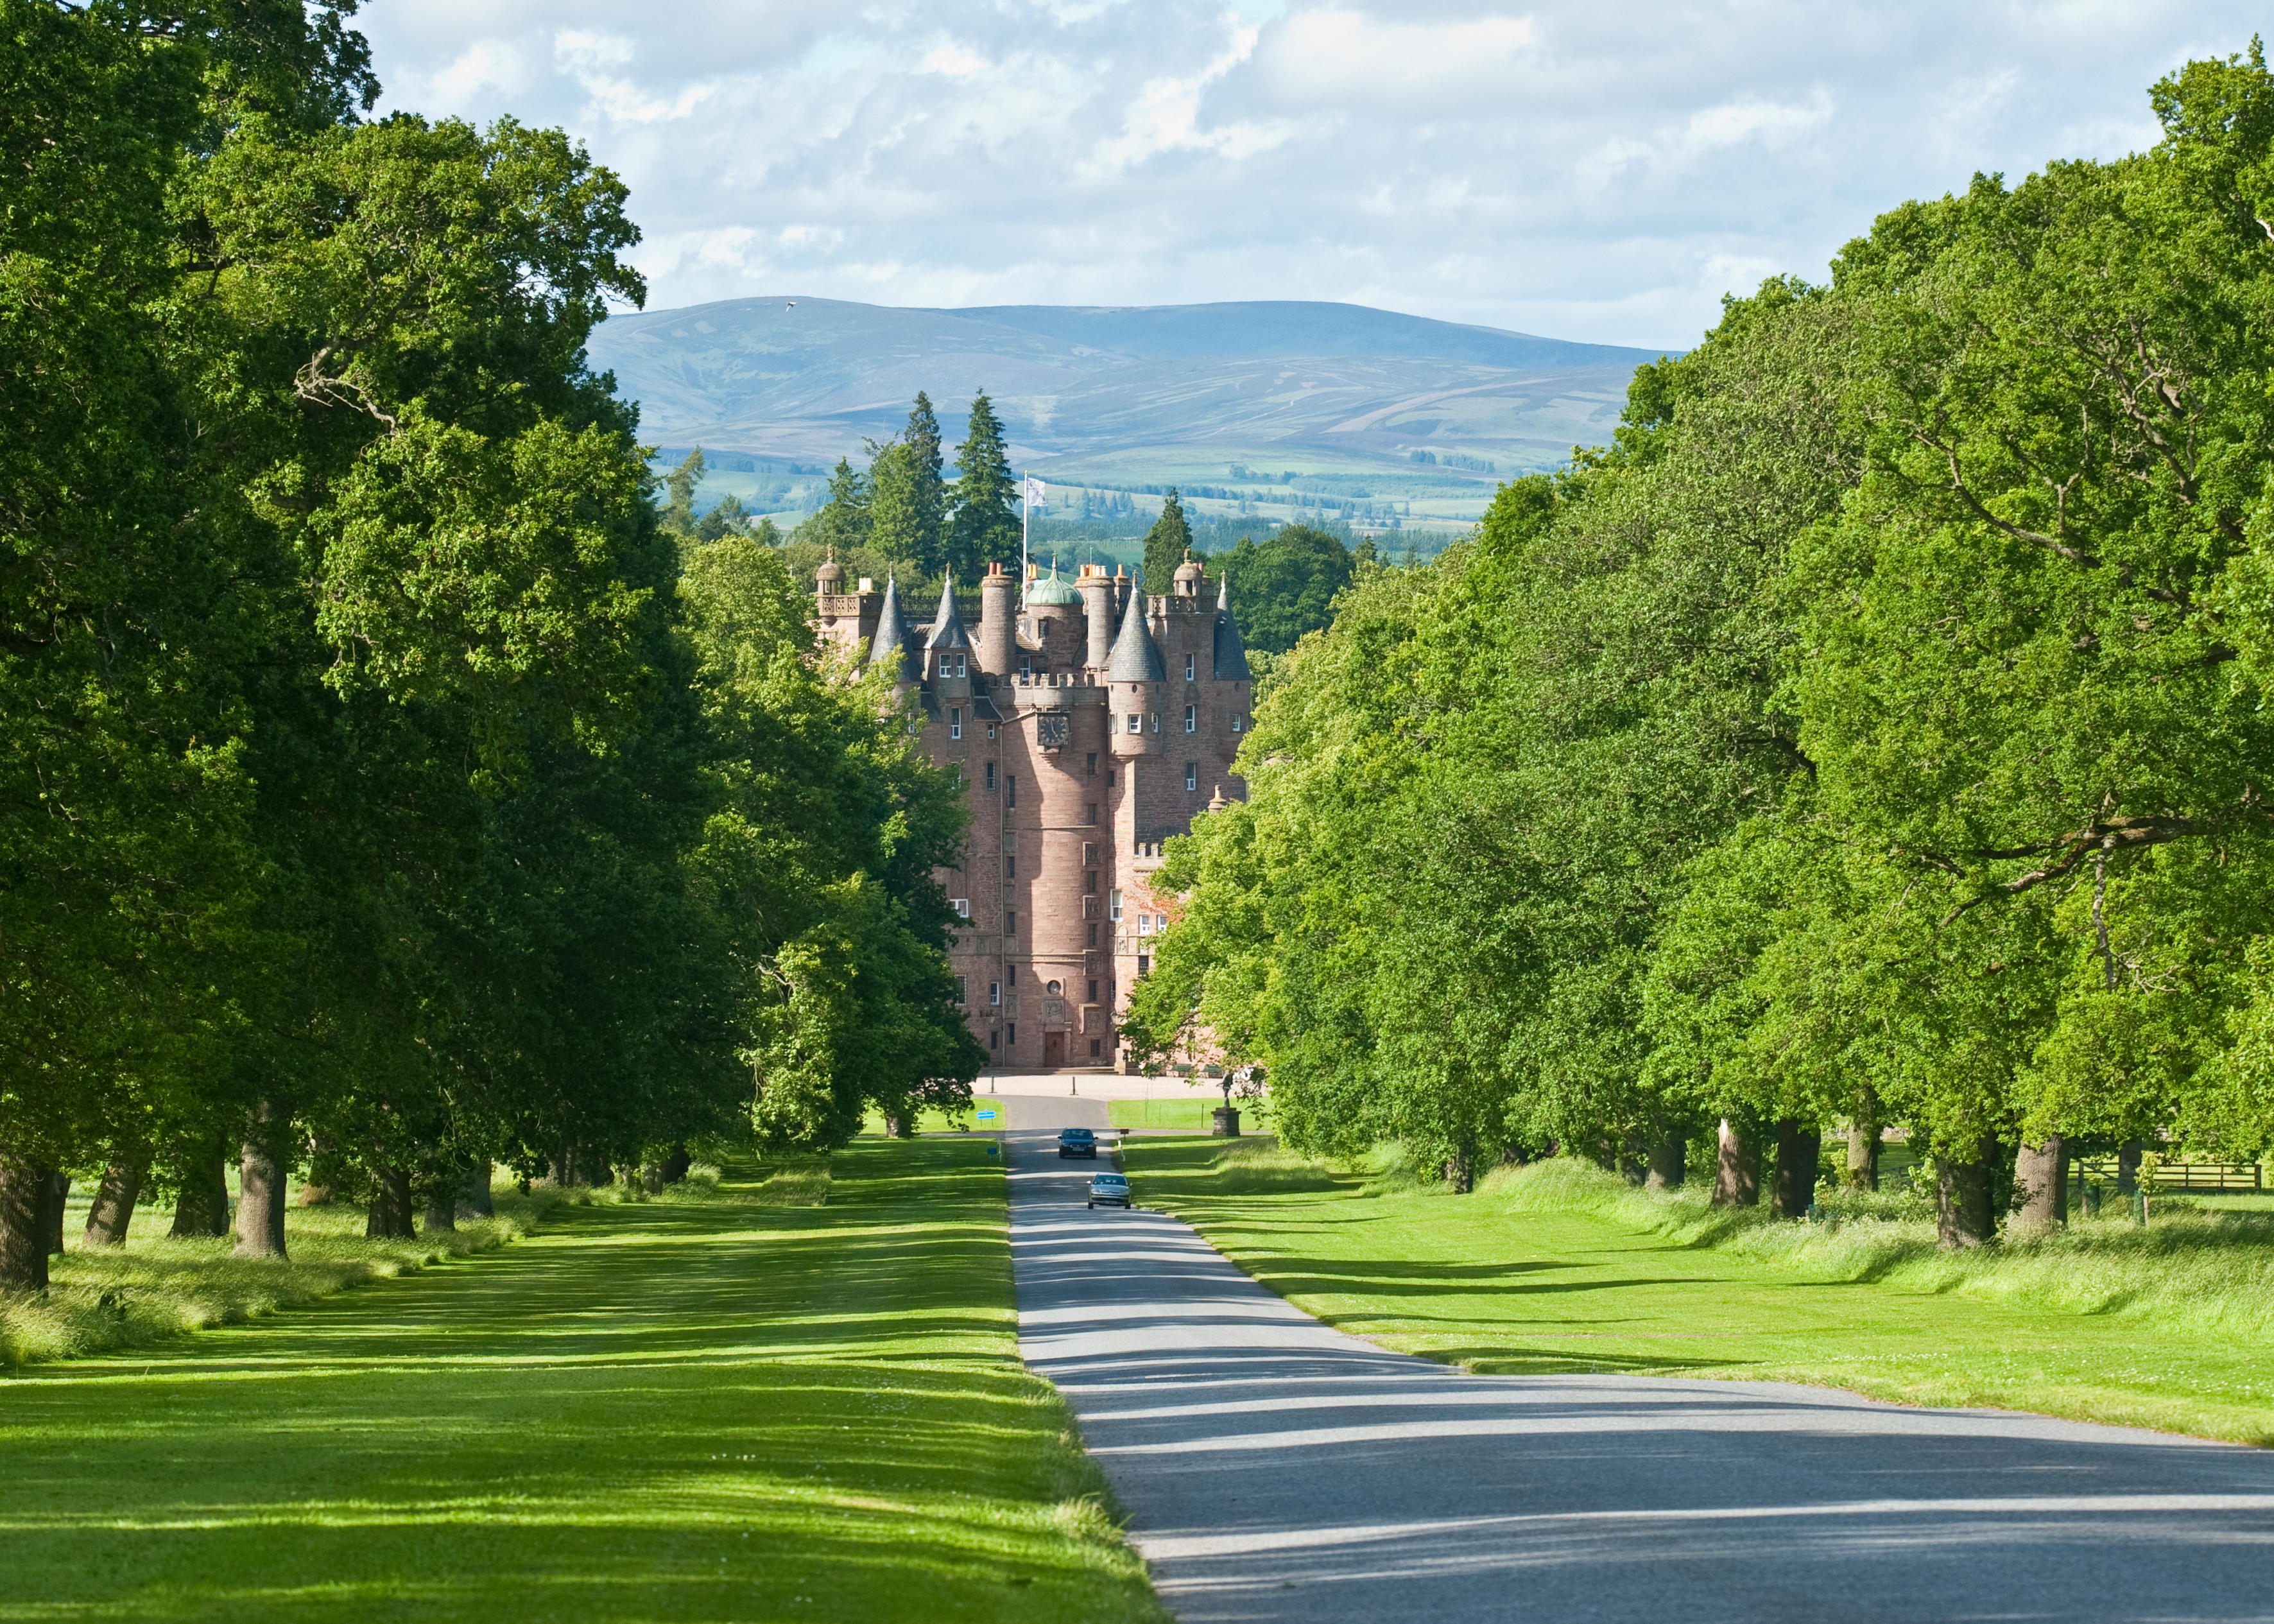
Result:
[
  {"x": 997, "y": 641},
  {"x": 1096, "y": 588}
]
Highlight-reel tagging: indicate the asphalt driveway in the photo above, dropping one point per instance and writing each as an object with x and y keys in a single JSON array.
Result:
[{"x": 1274, "y": 1468}]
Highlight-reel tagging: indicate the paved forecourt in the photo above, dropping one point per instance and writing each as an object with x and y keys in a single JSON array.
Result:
[{"x": 1274, "y": 1468}]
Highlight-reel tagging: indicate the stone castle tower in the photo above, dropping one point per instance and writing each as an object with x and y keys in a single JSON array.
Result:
[{"x": 1089, "y": 723}]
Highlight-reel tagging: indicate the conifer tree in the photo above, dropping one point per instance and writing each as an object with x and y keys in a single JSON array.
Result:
[
  {"x": 927, "y": 495},
  {"x": 1166, "y": 545},
  {"x": 985, "y": 528},
  {"x": 843, "y": 521}
]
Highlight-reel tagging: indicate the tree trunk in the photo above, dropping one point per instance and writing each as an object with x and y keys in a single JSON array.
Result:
[
  {"x": 2041, "y": 1185},
  {"x": 1800, "y": 1148},
  {"x": 1962, "y": 1214},
  {"x": 2127, "y": 1167},
  {"x": 1738, "y": 1177},
  {"x": 260, "y": 1184},
  {"x": 676, "y": 1164},
  {"x": 475, "y": 1197},
  {"x": 24, "y": 1188},
  {"x": 1863, "y": 1155},
  {"x": 114, "y": 1203},
  {"x": 1457, "y": 1172},
  {"x": 202, "y": 1209},
  {"x": 442, "y": 1213},
  {"x": 388, "y": 1216},
  {"x": 1669, "y": 1153},
  {"x": 51, "y": 1213}
]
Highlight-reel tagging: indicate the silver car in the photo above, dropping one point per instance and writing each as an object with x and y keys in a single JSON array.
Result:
[{"x": 1109, "y": 1189}]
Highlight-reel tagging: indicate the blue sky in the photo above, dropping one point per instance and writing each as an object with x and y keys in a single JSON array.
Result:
[{"x": 1583, "y": 171}]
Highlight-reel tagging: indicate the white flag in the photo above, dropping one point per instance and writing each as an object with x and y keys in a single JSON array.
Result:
[{"x": 1034, "y": 489}]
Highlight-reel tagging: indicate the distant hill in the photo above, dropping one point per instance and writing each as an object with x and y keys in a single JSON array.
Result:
[{"x": 1336, "y": 398}]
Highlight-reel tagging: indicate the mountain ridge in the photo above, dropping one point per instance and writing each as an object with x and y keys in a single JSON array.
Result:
[{"x": 1113, "y": 394}]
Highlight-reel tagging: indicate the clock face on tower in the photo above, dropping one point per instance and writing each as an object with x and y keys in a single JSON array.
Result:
[{"x": 1051, "y": 731}]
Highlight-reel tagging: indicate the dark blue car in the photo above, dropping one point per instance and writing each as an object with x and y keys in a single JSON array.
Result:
[{"x": 1077, "y": 1141}]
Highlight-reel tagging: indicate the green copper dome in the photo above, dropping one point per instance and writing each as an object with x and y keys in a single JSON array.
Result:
[{"x": 1049, "y": 593}]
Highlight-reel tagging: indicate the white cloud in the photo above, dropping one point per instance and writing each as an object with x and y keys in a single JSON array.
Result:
[
  {"x": 1338, "y": 54},
  {"x": 1565, "y": 166}
]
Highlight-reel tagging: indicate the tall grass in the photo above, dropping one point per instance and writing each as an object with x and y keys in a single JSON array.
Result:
[
  {"x": 2206, "y": 1272},
  {"x": 155, "y": 1287}
]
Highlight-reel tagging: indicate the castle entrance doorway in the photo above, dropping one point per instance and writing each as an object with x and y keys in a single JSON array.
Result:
[{"x": 1053, "y": 1048}]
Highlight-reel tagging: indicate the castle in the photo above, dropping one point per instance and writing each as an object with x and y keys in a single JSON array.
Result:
[{"x": 1088, "y": 722}]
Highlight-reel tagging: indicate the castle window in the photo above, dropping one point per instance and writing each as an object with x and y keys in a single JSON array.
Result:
[
  {"x": 1115, "y": 902},
  {"x": 955, "y": 724},
  {"x": 1053, "y": 989},
  {"x": 1191, "y": 774},
  {"x": 962, "y": 906},
  {"x": 1010, "y": 867},
  {"x": 1136, "y": 722},
  {"x": 1014, "y": 1034},
  {"x": 995, "y": 992},
  {"x": 1090, "y": 880},
  {"x": 1046, "y": 631},
  {"x": 1089, "y": 812},
  {"x": 1026, "y": 666},
  {"x": 1188, "y": 667},
  {"x": 1094, "y": 1042},
  {"x": 1144, "y": 963},
  {"x": 1010, "y": 925},
  {"x": 1157, "y": 722},
  {"x": 990, "y": 772},
  {"x": 960, "y": 671},
  {"x": 1089, "y": 855},
  {"x": 1144, "y": 924},
  {"x": 1192, "y": 719},
  {"x": 959, "y": 992},
  {"x": 994, "y": 1040},
  {"x": 990, "y": 729},
  {"x": 1093, "y": 998},
  {"x": 1093, "y": 942},
  {"x": 1236, "y": 720},
  {"x": 1010, "y": 789},
  {"x": 1093, "y": 769}
]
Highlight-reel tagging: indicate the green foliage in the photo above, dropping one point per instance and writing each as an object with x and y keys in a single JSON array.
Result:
[
  {"x": 366, "y": 768},
  {"x": 985, "y": 527},
  {"x": 1286, "y": 585},
  {"x": 1167, "y": 545},
  {"x": 1871, "y": 732}
]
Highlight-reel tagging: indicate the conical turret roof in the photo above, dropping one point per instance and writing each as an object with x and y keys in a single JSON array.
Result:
[
  {"x": 891, "y": 642},
  {"x": 947, "y": 626},
  {"x": 1135, "y": 659},
  {"x": 1231, "y": 652}
]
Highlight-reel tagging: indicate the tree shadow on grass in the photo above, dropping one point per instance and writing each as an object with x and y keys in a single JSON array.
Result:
[{"x": 705, "y": 1410}]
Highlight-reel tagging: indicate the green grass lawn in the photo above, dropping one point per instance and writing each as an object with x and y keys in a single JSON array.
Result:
[
  {"x": 1486, "y": 1281},
  {"x": 739, "y": 1405},
  {"x": 1191, "y": 1113}
]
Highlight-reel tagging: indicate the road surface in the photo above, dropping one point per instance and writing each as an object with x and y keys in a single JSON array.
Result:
[{"x": 1274, "y": 1468}]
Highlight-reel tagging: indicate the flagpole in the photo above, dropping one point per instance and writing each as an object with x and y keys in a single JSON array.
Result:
[{"x": 1026, "y": 510}]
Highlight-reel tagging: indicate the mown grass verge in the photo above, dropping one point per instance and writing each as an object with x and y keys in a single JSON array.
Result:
[
  {"x": 1192, "y": 1114},
  {"x": 2191, "y": 1269},
  {"x": 700, "y": 1406},
  {"x": 155, "y": 1287},
  {"x": 1560, "y": 1268}
]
